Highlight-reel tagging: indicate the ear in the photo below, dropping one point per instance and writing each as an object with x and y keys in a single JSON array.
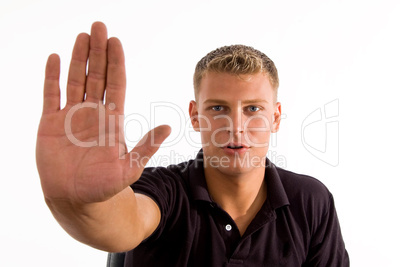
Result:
[
  {"x": 276, "y": 117},
  {"x": 193, "y": 111}
]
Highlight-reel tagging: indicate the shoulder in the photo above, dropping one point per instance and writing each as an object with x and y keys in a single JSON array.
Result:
[
  {"x": 296, "y": 184},
  {"x": 167, "y": 186},
  {"x": 310, "y": 201},
  {"x": 306, "y": 195},
  {"x": 163, "y": 182},
  {"x": 171, "y": 171}
]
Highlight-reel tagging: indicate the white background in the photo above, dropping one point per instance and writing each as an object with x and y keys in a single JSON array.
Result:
[{"x": 347, "y": 51}]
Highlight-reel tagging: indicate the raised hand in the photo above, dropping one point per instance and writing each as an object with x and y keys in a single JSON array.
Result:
[{"x": 81, "y": 153}]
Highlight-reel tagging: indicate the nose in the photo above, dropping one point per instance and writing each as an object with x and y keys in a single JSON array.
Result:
[{"x": 237, "y": 124}]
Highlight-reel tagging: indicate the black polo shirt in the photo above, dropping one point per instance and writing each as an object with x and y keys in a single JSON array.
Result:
[{"x": 296, "y": 226}]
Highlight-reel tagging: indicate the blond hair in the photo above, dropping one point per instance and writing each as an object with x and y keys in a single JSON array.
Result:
[{"x": 237, "y": 60}]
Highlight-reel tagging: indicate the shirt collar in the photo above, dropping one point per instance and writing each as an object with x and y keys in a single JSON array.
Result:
[
  {"x": 197, "y": 182},
  {"x": 276, "y": 193}
]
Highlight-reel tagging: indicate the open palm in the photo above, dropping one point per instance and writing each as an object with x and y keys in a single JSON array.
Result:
[{"x": 81, "y": 153}]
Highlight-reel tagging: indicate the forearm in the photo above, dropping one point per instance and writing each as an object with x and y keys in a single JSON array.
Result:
[{"x": 112, "y": 225}]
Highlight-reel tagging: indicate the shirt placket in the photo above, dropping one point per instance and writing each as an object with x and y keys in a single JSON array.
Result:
[{"x": 238, "y": 247}]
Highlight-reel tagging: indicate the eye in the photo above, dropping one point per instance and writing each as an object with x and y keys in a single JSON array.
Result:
[
  {"x": 253, "y": 108},
  {"x": 217, "y": 108}
]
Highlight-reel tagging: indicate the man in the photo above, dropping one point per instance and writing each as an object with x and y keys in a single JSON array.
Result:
[{"x": 228, "y": 207}]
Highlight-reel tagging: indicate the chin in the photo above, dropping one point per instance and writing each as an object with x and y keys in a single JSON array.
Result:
[
  {"x": 235, "y": 162},
  {"x": 235, "y": 170}
]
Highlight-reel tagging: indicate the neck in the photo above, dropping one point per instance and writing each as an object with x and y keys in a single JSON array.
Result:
[{"x": 241, "y": 196}]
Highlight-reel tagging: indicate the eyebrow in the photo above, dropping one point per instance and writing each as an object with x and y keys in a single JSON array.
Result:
[{"x": 247, "y": 101}]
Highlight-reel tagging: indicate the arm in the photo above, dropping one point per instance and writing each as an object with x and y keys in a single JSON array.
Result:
[
  {"x": 82, "y": 160},
  {"x": 117, "y": 224},
  {"x": 327, "y": 247}
]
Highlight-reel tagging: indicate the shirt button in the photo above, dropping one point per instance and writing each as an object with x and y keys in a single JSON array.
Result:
[{"x": 228, "y": 227}]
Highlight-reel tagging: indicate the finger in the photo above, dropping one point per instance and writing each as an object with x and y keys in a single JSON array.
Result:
[
  {"x": 51, "y": 90},
  {"x": 116, "y": 76},
  {"x": 144, "y": 150},
  {"x": 96, "y": 77},
  {"x": 77, "y": 72}
]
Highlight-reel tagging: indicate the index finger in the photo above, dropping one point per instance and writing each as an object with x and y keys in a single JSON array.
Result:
[{"x": 116, "y": 75}]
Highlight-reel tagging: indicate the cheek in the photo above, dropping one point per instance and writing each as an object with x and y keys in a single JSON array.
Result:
[
  {"x": 258, "y": 132},
  {"x": 208, "y": 126},
  {"x": 215, "y": 132},
  {"x": 204, "y": 124},
  {"x": 258, "y": 124}
]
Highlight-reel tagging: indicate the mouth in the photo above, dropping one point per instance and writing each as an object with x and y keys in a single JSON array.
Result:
[{"x": 236, "y": 147}]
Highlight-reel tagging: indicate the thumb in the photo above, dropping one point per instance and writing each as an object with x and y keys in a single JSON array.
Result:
[{"x": 139, "y": 156}]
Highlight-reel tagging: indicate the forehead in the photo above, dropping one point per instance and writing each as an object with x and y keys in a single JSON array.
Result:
[{"x": 235, "y": 87}]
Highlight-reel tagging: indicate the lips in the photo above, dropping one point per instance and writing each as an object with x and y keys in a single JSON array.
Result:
[{"x": 235, "y": 148}]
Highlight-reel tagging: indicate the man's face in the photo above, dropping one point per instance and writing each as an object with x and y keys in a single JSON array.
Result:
[{"x": 235, "y": 117}]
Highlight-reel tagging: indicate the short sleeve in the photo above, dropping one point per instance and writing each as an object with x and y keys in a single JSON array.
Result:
[
  {"x": 161, "y": 185},
  {"x": 327, "y": 247}
]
